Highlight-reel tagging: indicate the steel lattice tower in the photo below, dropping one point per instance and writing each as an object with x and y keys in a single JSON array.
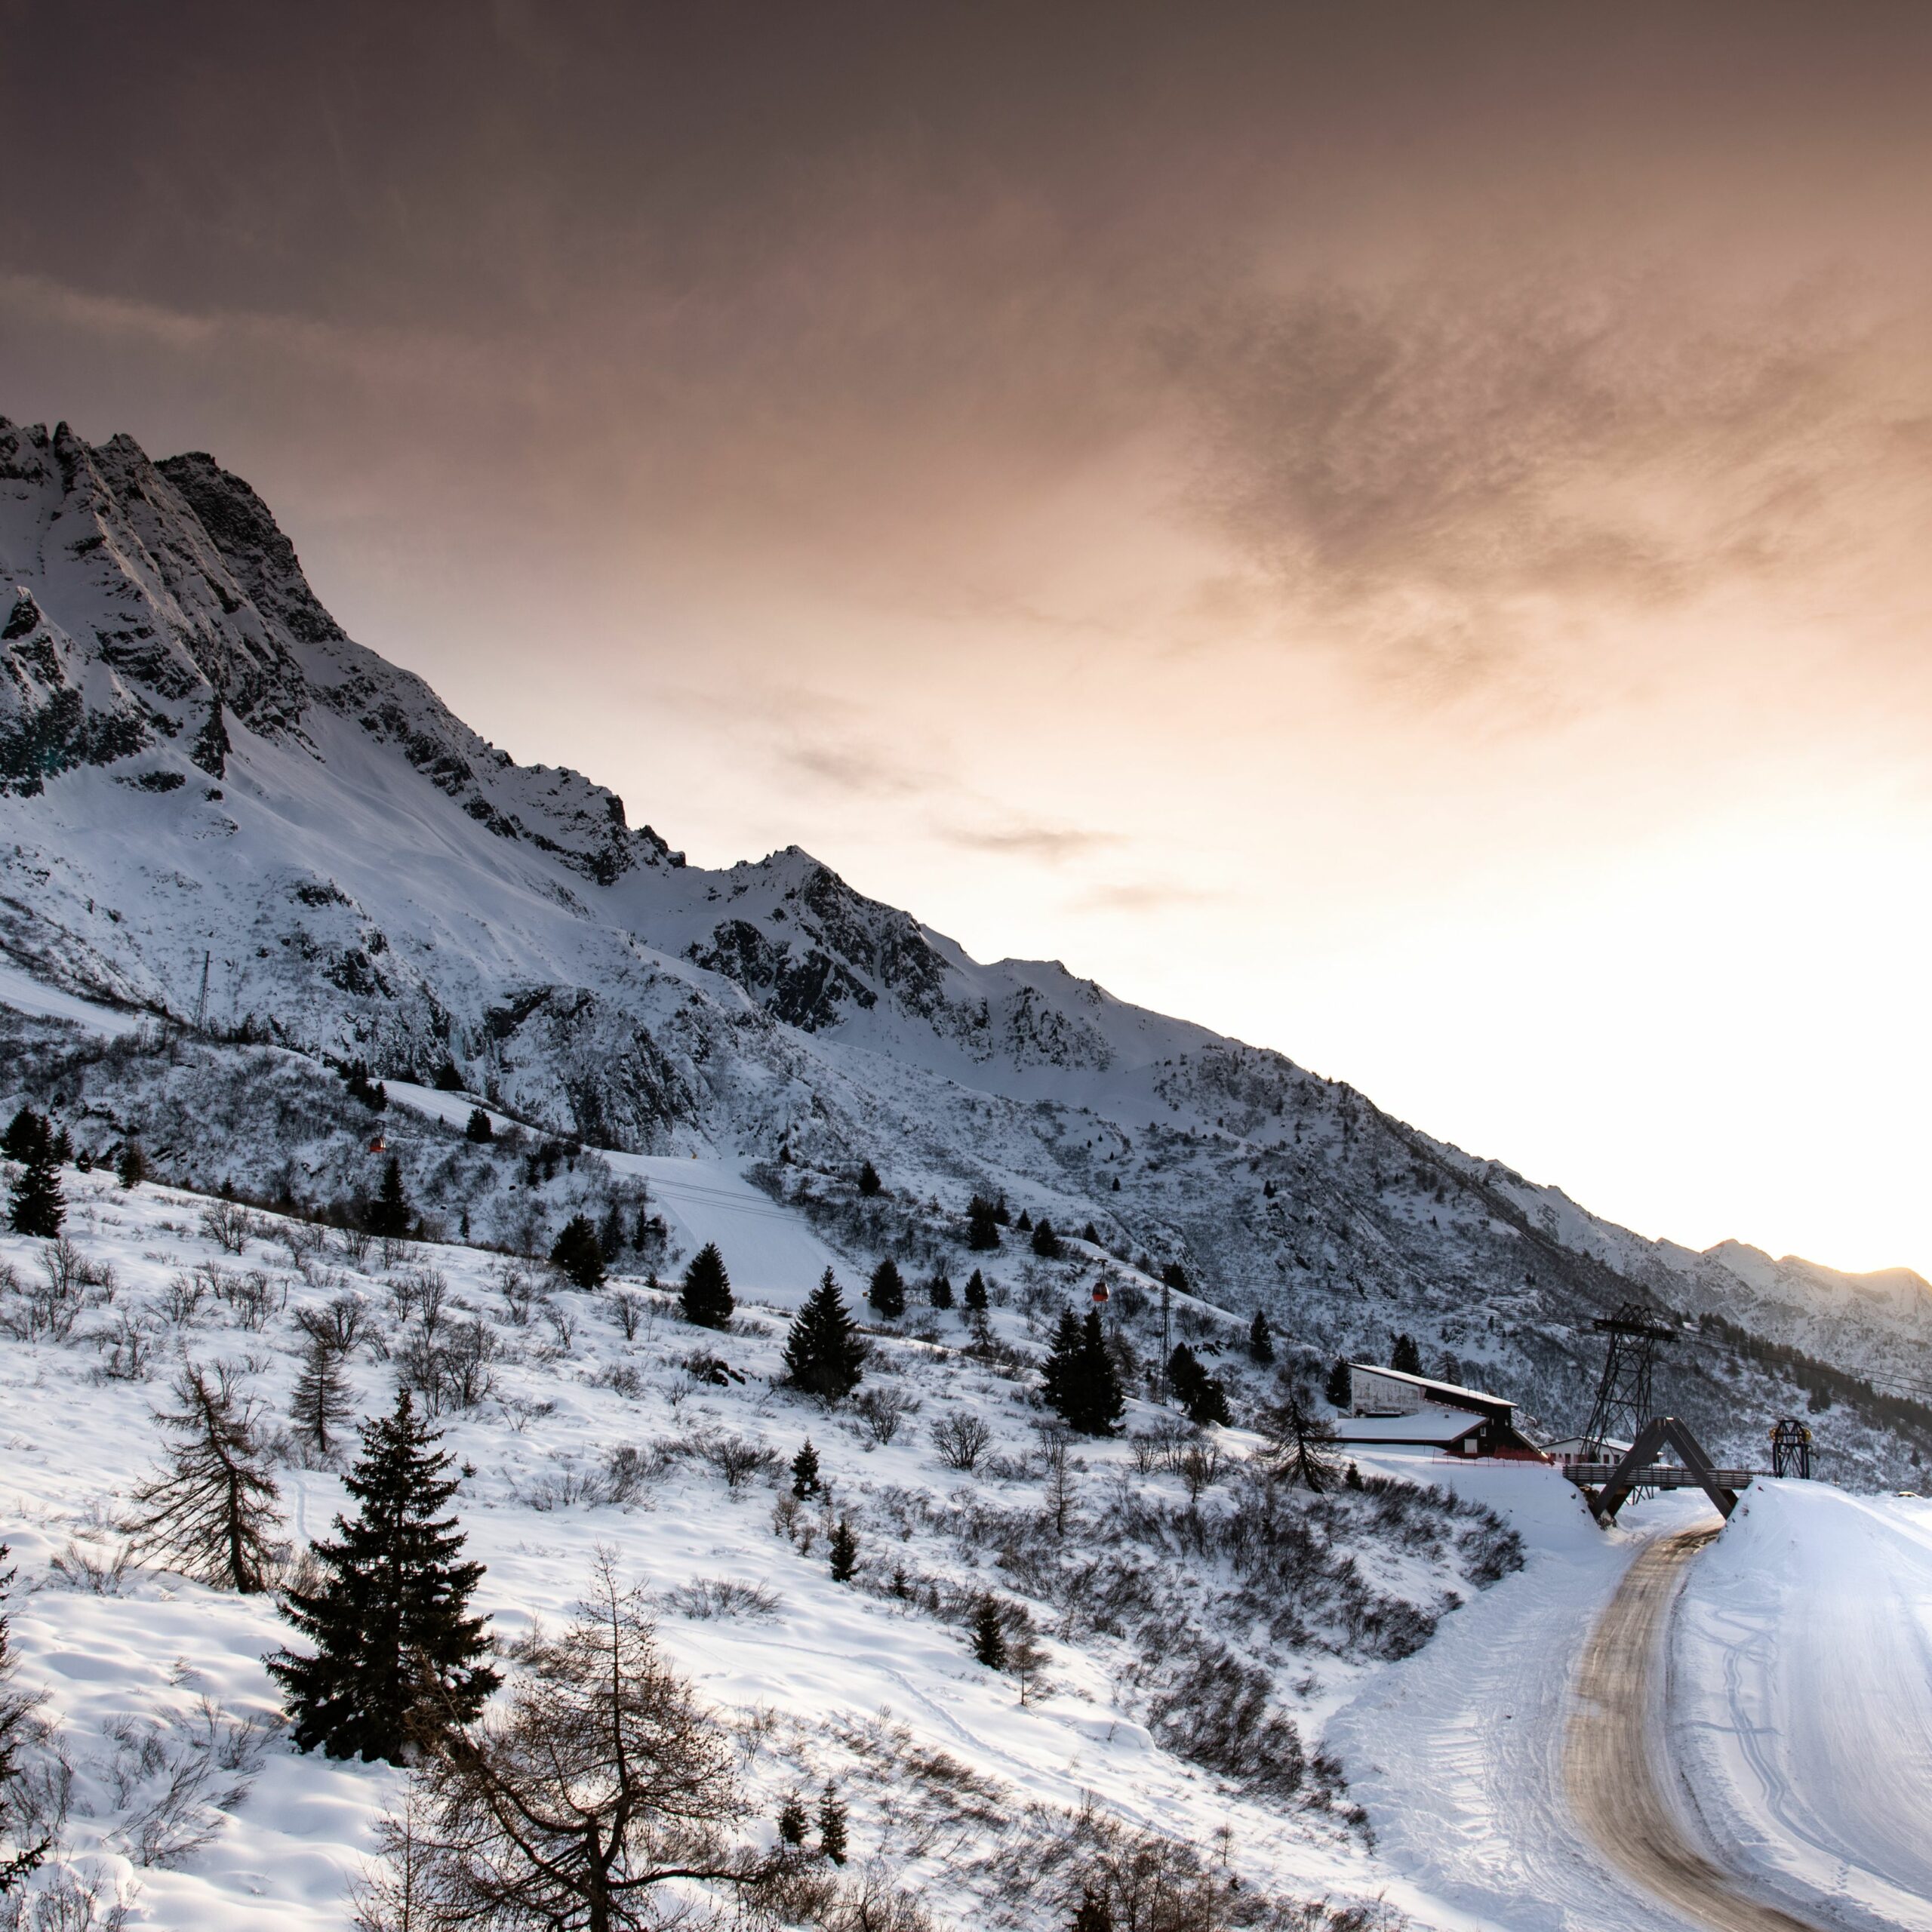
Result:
[
  {"x": 1791, "y": 1448},
  {"x": 1624, "y": 1401}
]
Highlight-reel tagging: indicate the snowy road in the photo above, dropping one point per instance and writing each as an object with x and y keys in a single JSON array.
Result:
[{"x": 1618, "y": 1790}]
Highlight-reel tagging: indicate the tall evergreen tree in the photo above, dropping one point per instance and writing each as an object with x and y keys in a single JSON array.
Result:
[
  {"x": 321, "y": 1403},
  {"x": 989, "y": 1632},
  {"x": 870, "y": 1183},
  {"x": 27, "y": 1133},
  {"x": 825, "y": 1354},
  {"x": 1339, "y": 1388},
  {"x": 1082, "y": 1386},
  {"x": 397, "y": 1655},
  {"x": 388, "y": 1215},
  {"x": 131, "y": 1166},
  {"x": 939, "y": 1291},
  {"x": 481, "y": 1127},
  {"x": 1047, "y": 1245},
  {"x": 611, "y": 1233},
  {"x": 36, "y": 1205},
  {"x": 1060, "y": 1372},
  {"x": 976, "y": 1292},
  {"x": 1405, "y": 1356},
  {"x": 887, "y": 1292},
  {"x": 845, "y": 1552},
  {"x": 1200, "y": 1395},
  {"x": 982, "y": 1225},
  {"x": 212, "y": 1510},
  {"x": 705, "y": 1296},
  {"x": 1260, "y": 1340},
  {"x": 577, "y": 1254},
  {"x": 832, "y": 1826}
]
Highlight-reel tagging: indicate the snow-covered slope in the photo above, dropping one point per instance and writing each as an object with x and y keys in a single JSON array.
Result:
[
  {"x": 217, "y": 810},
  {"x": 1192, "y": 1645}
]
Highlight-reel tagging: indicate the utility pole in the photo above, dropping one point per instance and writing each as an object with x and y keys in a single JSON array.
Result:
[
  {"x": 201, "y": 1004},
  {"x": 1167, "y": 1333}
]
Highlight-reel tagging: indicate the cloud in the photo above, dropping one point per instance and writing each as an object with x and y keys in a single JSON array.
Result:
[
  {"x": 1143, "y": 896},
  {"x": 1448, "y": 474},
  {"x": 1049, "y": 844},
  {"x": 859, "y": 770}
]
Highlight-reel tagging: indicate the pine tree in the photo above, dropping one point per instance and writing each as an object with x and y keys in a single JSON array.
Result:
[
  {"x": 321, "y": 1403},
  {"x": 792, "y": 1821},
  {"x": 131, "y": 1166},
  {"x": 805, "y": 1472},
  {"x": 37, "y": 1206},
  {"x": 988, "y": 1633},
  {"x": 1339, "y": 1389},
  {"x": 887, "y": 1292},
  {"x": 18, "y": 1862},
  {"x": 26, "y": 1133},
  {"x": 705, "y": 1296},
  {"x": 481, "y": 1127},
  {"x": 825, "y": 1355},
  {"x": 1175, "y": 1276},
  {"x": 577, "y": 1255},
  {"x": 388, "y": 1217},
  {"x": 1024, "y": 1225},
  {"x": 1200, "y": 1395},
  {"x": 870, "y": 1183},
  {"x": 212, "y": 1510},
  {"x": 1046, "y": 1244},
  {"x": 831, "y": 1827},
  {"x": 1060, "y": 1372},
  {"x": 1260, "y": 1340},
  {"x": 982, "y": 1225},
  {"x": 398, "y": 1656},
  {"x": 611, "y": 1233},
  {"x": 939, "y": 1292},
  {"x": 1406, "y": 1357},
  {"x": 976, "y": 1292},
  {"x": 845, "y": 1552},
  {"x": 1095, "y": 1402}
]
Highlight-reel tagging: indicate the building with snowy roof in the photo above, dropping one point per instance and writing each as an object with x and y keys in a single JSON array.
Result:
[{"x": 1389, "y": 1407}]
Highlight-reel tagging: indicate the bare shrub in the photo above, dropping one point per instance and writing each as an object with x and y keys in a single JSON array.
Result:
[
  {"x": 100, "y": 1574},
  {"x": 1199, "y": 1465},
  {"x": 961, "y": 1438},
  {"x": 519, "y": 1292},
  {"x": 181, "y": 1300},
  {"x": 881, "y": 1409},
  {"x": 630, "y": 1310},
  {"x": 127, "y": 1350},
  {"x": 173, "y": 1777},
  {"x": 354, "y": 1244},
  {"x": 303, "y": 1239},
  {"x": 229, "y": 1225},
  {"x": 706, "y": 1596},
  {"x": 253, "y": 1297},
  {"x": 623, "y": 1378},
  {"x": 70, "y": 1272},
  {"x": 340, "y": 1325},
  {"x": 736, "y": 1459}
]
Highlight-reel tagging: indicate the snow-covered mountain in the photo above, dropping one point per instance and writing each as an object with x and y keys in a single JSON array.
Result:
[{"x": 218, "y": 810}]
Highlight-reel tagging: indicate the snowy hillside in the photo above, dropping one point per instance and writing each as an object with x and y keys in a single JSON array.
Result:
[
  {"x": 1192, "y": 1632},
  {"x": 218, "y": 812}
]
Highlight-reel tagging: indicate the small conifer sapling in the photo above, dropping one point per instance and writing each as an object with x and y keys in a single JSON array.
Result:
[
  {"x": 845, "y": 1552},
  {"x": 805, "y": 1472},
  {"x": 832, "y": 1841},
  {"x": 988, "y": 1635},
  {"x": 705, "y": 1296}
]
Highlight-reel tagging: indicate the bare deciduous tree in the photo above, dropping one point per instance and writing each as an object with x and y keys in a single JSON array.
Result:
[
  {"x": 961, "y": 1438},
  {"x": 212, "y": 1510},
  {"x": 604, "y": 1780}
]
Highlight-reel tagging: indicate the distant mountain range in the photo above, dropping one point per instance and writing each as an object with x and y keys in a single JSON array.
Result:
[{"x": 218, "y": 809}]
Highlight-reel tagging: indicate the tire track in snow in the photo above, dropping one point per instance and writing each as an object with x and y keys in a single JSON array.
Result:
[{"x": 1614, "y": 1735}]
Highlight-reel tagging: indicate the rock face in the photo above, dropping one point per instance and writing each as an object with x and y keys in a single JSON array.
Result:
[{"x": 204, "y": 783}]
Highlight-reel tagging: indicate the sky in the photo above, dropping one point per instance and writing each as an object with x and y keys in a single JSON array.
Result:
[{"x": 1396, "y": 530}]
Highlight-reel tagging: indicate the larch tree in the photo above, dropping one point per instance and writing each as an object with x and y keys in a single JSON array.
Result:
[{"x": 212, "y": 1511}]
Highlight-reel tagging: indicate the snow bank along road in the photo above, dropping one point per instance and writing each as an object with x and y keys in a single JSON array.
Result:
[{"x": 1614, "y": 1783}]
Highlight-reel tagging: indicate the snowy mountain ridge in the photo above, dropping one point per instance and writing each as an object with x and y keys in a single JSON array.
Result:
[{"x": 217, "y": 809}]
